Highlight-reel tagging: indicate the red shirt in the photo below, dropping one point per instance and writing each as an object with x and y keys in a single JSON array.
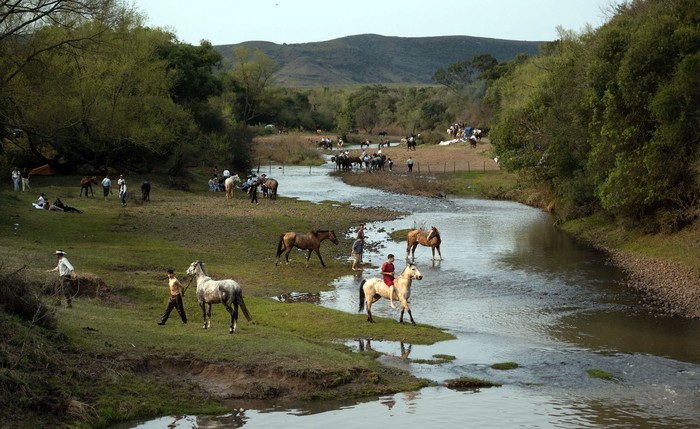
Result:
[{"x": 388, "y": 267}]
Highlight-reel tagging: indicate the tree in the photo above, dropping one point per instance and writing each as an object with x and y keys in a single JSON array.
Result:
[
  {"x": 251, "y": 83},
  {"x": 20, "y": 21}
]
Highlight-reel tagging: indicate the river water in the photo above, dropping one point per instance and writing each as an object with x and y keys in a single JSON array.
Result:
[{"x": 511, "y": 288}]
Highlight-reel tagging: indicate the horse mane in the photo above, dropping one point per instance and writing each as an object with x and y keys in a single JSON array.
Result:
[{"x": 201, "y": 266}]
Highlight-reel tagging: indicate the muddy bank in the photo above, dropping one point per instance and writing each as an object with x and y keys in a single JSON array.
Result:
[{"x": 669, "y": 287}]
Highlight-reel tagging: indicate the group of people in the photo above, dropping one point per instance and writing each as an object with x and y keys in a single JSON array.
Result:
[
  {"x": 20, "y": 179},
  {"x": 216, "y": 181},
  {"x": 67, "y": 279},
  {"x": 43, "y": 203},
  {"x": 121, "y": 184},
  {"x": 387, "y": 270}
]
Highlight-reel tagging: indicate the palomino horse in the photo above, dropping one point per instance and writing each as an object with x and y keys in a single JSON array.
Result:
[
  {"x": 86, "y": 185},
  {"x": 310, "y": 240},
  {"x": 426, "y": 238},
  {"x": 209, "y": 292},
  {"x": 269, "y": 187},
  {"x": 230, "y": 183},
  {"x": 373, "y": 289}
]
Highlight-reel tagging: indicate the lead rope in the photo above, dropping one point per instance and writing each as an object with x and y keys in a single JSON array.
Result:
[{"x": 188, "y": 285}]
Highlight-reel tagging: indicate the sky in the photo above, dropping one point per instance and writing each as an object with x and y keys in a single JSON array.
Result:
[{"x": 223, "y": 22}]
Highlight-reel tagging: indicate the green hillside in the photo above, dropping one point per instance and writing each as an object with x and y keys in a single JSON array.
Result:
[{"x": 371, "y": 58}]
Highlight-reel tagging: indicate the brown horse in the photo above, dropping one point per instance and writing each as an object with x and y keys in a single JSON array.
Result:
[
  {"x": 426, "y": 238},
  {"x": 269, "y": 187},
  {"x": 86, "y": 185},
  {"x": 310, "y": 240}
]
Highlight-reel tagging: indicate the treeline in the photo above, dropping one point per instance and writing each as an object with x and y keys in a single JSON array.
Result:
[
  {"x": 609, "y": 120},
  {"x": 85, "y": 86}
]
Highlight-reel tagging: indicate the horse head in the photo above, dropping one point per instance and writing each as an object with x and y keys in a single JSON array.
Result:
[
  {"x": 192, "y": 270},
  {"x": 413, "y": 272},
  {"x": 433, "y": 233},
  {"x": 332, "y": 237}
]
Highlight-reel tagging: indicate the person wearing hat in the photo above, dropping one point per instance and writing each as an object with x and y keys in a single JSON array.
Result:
[{"x": 65, "y": 273}]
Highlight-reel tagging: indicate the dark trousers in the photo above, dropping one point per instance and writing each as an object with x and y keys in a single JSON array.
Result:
[
  {"x": 65, "y": 288},
  {"x": 174, "y": 302},
  {"x": 254, "y": 196}
]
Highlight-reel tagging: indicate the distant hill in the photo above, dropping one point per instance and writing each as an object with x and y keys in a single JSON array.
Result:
[{"x": 371, "y": 58}]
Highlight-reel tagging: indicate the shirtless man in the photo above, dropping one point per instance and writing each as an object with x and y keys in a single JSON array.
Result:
[{"x": 175, "y": 300}]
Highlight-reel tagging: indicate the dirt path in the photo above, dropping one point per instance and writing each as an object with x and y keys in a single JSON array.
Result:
[{"x": 435, "y": 158}]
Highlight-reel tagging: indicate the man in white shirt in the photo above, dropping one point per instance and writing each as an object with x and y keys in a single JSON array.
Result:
[{"x": 65, "y": 273}]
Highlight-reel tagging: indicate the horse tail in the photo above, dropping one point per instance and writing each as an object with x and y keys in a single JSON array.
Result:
[
  {"x": 362, "y": 296},
  {"x": 279, "y": 246},
  {"x": 243, "y": 307}
]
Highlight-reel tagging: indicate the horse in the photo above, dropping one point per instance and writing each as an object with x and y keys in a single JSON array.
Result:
[
  {"x": 210, "y": 291},
  {"x": 230, "y": 183},
  {"x": 86, "y": 184},
  {"x": 269, "y": 187},
  {"x": 426, "y": 238},
  {"x": 146, "y": 190},
  {"x": 373, "y": 289},
  {"x": 310, "y": 240}
]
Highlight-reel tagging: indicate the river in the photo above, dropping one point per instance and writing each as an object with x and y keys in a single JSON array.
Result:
[{"x": 511, "y": 288}]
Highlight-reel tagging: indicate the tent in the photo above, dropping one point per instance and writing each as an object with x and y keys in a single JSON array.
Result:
[{"x": 44, "y": 170}]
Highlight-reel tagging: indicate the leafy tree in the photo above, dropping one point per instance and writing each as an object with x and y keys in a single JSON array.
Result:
[
  {"x": 191, "y": 72},
  {"x": 19, "y": 49},
  {"x": 251, "y": 84},
  {"x": 107, "y": 107}
]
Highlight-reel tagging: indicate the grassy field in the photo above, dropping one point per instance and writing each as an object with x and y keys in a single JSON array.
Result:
[
  {"x": 110, "y": 341},
  {"x": 107, "y": 360}
]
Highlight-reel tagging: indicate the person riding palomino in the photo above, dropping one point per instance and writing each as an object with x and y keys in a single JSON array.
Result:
[{"x": 387, "y": 272}]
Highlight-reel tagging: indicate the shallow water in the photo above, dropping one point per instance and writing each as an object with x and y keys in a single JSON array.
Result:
[{"x": 511, "y": 288}]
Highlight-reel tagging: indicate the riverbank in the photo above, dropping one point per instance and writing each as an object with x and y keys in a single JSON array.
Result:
[
  {"x": 106, "y": 359},
  {"x": 664, "y": 267}
]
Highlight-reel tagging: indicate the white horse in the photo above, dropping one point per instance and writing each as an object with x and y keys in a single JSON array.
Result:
[
  {"x": 230, "y": 183},
  {"x": 373, "y": 289},
  {"x": 209, "y": 291}
]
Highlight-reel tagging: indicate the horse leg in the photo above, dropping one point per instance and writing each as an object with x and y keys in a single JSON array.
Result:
[
  {"x": 404, "y": 306},
  {"x": 232, "y": 326},
  {"x": 369, "y": 310},
  {"x": 318, "y": 252},
  {"x": 413, "y": 252},
  {"x": 204, "y": 314},
  {"x": 209, "y": 317},
  {"x": 439, "y": 253}
]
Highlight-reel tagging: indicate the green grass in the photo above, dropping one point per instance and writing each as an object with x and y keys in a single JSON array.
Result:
[
  {"x": 468, "y": 383},
  {"x": 599, "y": 373},
  {"x": 108, "y": 352},
  {"x": 505, "y": 365}
]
